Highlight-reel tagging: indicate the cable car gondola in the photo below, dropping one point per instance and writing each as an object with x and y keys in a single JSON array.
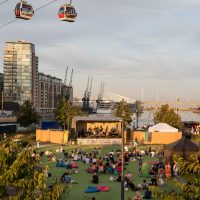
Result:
[
  {"x": 67, "y": 13},
  {"x": 24, "y": 10}
]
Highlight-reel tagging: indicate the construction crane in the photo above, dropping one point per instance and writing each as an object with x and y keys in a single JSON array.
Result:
[
  {"x": 70, "y": 81},
  {"x": 65, "y": 80}
]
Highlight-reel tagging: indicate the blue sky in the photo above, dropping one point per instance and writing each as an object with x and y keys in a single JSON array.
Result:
[{"x": 129, "y": 44}]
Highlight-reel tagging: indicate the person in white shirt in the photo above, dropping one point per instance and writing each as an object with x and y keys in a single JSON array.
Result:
[
  {"x": 87, "y": 160},
  {"x": 76, "y": 157}
]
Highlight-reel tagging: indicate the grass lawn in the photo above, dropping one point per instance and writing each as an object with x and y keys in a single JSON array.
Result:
[{"x": 83, "y": 178}]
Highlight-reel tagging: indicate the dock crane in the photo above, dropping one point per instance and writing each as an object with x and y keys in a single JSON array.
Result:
[
  {"x": 67, "y": 89},
  {"x": 87, "y": 95},
  {"x": 101, "y": 93}
]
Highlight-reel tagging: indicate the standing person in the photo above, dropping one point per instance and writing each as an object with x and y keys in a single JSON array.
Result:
[
  {"x": 38, "y": 144},
  {"x": 175, "y": 169},
  {"x": 140, "y": 165},
  {"x": 4, "y": 136},
  {"x": 168, "y": 173}
]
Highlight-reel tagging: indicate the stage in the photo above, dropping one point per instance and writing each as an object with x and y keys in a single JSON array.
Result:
[{"x": 98, "y": 141}]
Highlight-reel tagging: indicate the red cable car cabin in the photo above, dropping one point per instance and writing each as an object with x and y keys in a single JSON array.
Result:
[
  {"x": 23, "y": 10},
  {"x": 67, "y": 13}
]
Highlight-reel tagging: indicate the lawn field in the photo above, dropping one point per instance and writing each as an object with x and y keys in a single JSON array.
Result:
[{"x": 83, "y": 178}]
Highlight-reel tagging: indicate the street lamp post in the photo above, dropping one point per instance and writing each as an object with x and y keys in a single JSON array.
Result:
[{"x": 122, "y": 159}]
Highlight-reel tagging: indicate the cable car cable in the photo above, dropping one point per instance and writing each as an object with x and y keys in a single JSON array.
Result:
[
  {"x": 10, "y": 22},
  {"x": 45, "y": 5},
  {"x": 3, "y": 2}
]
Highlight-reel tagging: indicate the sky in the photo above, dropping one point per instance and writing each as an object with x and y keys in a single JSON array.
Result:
[{"x": 128, "y": 44}]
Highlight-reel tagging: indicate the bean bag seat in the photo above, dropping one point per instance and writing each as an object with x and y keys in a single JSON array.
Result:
[
  {"x": 145, "y": 170},
  {"x": 103, "y": 188},
  {"x": 92, "y": 190},
  {"x": 74, "y": 165}
]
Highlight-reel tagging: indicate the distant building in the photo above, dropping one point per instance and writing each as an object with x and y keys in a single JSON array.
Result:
[
  {"x": 109, "y": 101},
  {"x": 49, "y": 89},
  {"x": 67, "y": 93},
  {"x": 20, "y": 72}
]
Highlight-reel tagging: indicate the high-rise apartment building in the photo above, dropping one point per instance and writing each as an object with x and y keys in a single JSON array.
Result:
[
  {"x": 1, "y": 85},
  {"x": 20, "y": 72},
  {"x": 49, "y": 89}
]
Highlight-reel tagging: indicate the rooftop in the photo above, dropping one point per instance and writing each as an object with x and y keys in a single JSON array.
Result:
[{"x": 98, "y": 117}]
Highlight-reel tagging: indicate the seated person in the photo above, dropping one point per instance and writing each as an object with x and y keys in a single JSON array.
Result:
[
  {"x": 108, "y": 168},
  {"x": 111, "y": 157},
  {"x": 101, "y": 168},
  {"x": 129, "y": 184},
  {"x": 95, "y": 178},
  {"x": 119, "y": 168},
  {"x": 76, "y": 157},
  {"x": 111, "y": 152},
  {"x": 147, "y": 194},
  {"x": 106, "y": 158},
  {"x": 66, "y": 178},
  {"x": 100, "y": 161},
  {"x": 119, "y": 178},
  {"x": 87, "y": 160},
  {"x": 153, "y": 181},
  {"x": 144, "y": 185},
  {"x": 94, "y": 167},
  {"x": 129, "y": 176},
  {"x": 94, "y": 160}
]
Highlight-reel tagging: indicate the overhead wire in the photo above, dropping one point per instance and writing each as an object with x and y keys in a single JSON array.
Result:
[
  {"x": 3, "y": 2},
  {"x": 10, "y": 22}
]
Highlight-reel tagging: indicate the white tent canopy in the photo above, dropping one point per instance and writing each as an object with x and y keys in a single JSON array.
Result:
[{"x": 162, "y": 127}]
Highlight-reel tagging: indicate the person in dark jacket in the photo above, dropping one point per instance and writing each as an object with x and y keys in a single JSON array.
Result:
[
  {"x": 95, "y": 178},
  {"x": 147, "y": 194}
]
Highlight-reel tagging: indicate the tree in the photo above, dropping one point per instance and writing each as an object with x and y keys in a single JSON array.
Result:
[
  {"x": 187, "y": 187},
  {"x": 22, "y": 176},
  {"x": 167, "y": 115},
  {"x": 123, "y": 110},
  {"x": 65, "y": 112},
  {"x": 27, "y": 114}
]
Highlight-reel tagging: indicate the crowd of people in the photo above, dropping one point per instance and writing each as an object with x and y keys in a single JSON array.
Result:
[{"x": 110, "y": 163}]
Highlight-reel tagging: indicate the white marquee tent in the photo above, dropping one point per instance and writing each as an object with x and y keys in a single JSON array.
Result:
[{"x": 162, "y": 127}]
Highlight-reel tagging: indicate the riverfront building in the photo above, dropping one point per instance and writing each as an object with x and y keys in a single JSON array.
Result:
[
  {"x": 1, "y": 85},
  {"x": 20, "y": 72},
  {"x": 49, "y": 89}
]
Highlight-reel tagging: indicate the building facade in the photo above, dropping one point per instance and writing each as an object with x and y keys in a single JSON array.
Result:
[
  {"x": 1, "y": 85},
  {"x": 20, "y": 72},
  {"x": 49, "y": 89}
]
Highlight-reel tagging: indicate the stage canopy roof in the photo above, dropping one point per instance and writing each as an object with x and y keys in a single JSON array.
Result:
[{"x": 98, "y": 118}]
